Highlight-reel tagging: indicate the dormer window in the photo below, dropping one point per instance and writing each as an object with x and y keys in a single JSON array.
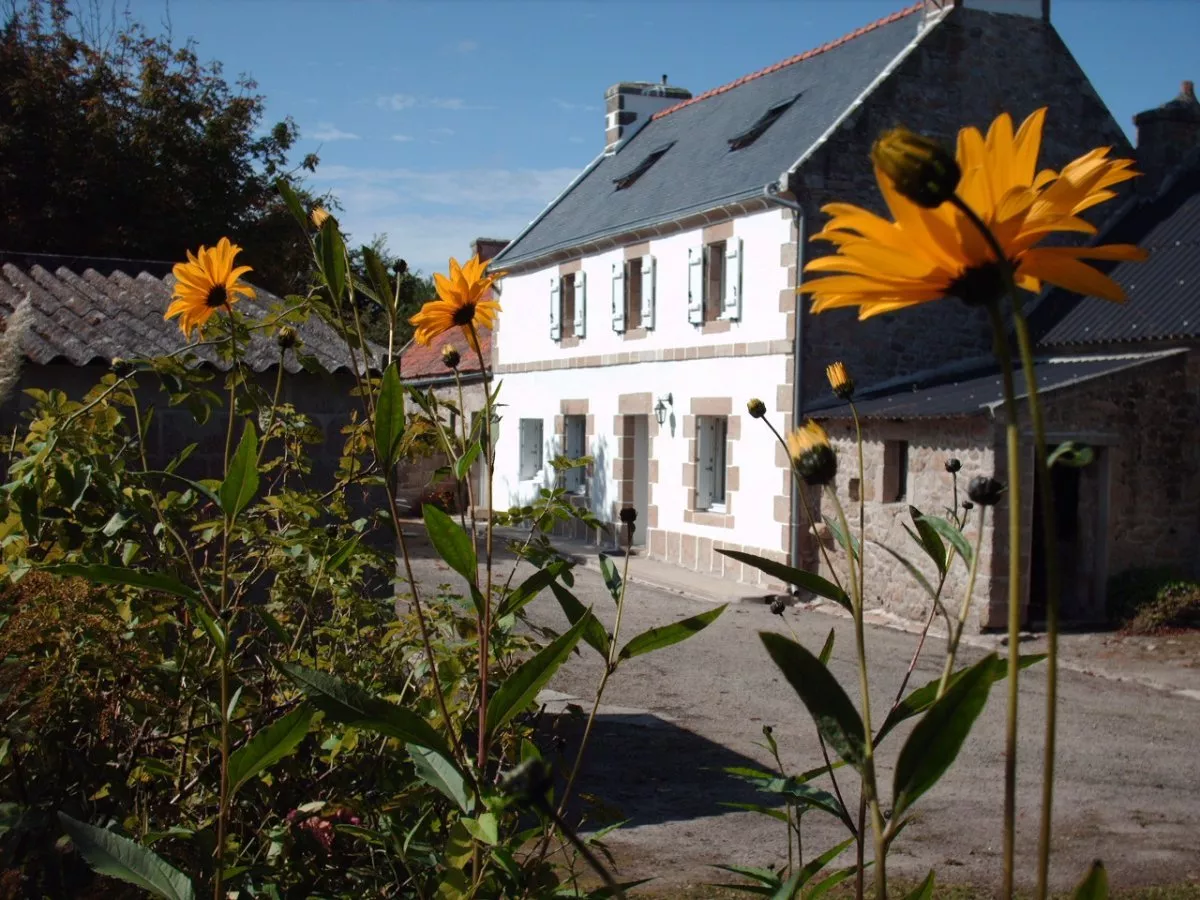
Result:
[
  {"x": 641, "y": 168},
  {"x": 765, "y": 121}
]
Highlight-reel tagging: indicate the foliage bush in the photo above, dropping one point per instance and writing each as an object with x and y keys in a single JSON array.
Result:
[{"x": 1143, "y": 600}]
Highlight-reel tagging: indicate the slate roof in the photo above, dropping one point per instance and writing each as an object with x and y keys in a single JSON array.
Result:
[
  {"x": 1163, "y": 292},
  {"x": 700, "y": 171},
  {"x": 85, "y": 311},
  {"x": 952, "y": 394}
]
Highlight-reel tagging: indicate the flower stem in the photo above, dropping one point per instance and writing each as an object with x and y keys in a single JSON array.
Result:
[
  {"x": 963, "y": 609},
  {"x": 1045, "y": 490},
  {"x": 870, "y": 787},
  {"x": 486, "y": 618}
]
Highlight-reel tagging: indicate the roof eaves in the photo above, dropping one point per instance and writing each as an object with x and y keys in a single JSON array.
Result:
[{"x": 932, "y": 20}]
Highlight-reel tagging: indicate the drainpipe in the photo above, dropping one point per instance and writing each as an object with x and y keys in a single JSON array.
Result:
[{"x": 772, "y": 194}]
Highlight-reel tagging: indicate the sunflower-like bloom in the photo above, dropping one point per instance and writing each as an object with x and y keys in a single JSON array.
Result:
[
  {"x": 812, "y": 454},
  {"x": 926, "y": 254},
  {"x": 840, "y": 380},
  {"x": 208, "y": 281},
  {"x": 464, "y": 299},
  {"x": 318, "y": 216}
]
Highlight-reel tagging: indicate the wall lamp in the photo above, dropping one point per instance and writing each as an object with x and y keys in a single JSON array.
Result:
[{"x": 660, "y": 408}]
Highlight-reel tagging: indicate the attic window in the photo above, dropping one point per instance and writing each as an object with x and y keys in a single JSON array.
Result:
[
  {"x": 641, "y": 168},
  {"x": 765, "y": 121}
]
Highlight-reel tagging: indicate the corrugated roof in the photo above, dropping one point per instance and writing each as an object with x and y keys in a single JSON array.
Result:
[
  {"x": 1163, "y": 292},
  {"x": 700, "y": 170},
  {"x": 980, "y": 392},
  {"x": 89, "y": 311}
]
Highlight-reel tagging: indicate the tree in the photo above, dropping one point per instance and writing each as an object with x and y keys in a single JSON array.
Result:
[
  {"x": 124, "y": 145},
  {"x": 415, "y": 289}
]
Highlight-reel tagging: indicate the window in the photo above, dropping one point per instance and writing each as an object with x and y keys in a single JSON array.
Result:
[
  {"x": 568, "y": 306},
  {"x": 531, "y": 449},
  {"x": 710, "y": 462},
  {"x": 633, "y": 293},
  {"x": 895, "y": 471},
  {"x": 624, "y": 181},
  {"x": 715, "y": 282},
  {"x": 765, "y": 121},
  {"x": 575, "y": 446}
]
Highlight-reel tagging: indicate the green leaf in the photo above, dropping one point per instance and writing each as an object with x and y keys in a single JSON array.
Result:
[
  {"x": 923, "y": 891},
  {"x": 269, "y": 746},
  {"x": 798, "y": 577},
  {"x": 528, "y": 589},
  {"x": 484, "y": 829},
  {"x": 912, "y": 570},
  {"x": 377, "y": 272},
  {"x": 849, "y": 545},
  {"x": 451, "y": 542},
  {"x": 293, "y": 202},
  {"x": 339, "y": 557},
  {"x": 522, "y": 686},
  {"x": 212, "y": 627},
  {"x": 389, "y": 418},
  {"x": 1070, "y": 453},
  {"x": 102, "y": 574},
  {"x": 331, "y": 258},
  {"x": 117, "y": 856},
  {"x": 594, "y": 634},
  {"x": 241, "y": 482},
  {"x": 767, "y": 877},
  {"x": 814, "y": 866},
  {"x": 928, "y": 539},
  {"x": 835, "y": 716},
  {"x": 351, "y": 705},
  {"x": 757, "y": 808},
  {"x": 1094, "y": 885},
  {"x": 666, "y": 635},
  {"x": 937, "y": 738},
  {"x": 831, "y": 882},
  {"x": 922, "y": 698},
  {"x": 463, "y": 464},
  {"x": 439, "y": 772},
  {"x": 950, "y": 532},
  {"x": 827, "y": 649},
  {"x": 612, "y": 578}
]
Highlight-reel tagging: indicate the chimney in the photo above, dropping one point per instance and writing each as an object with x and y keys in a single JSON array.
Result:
[
  {"x": 1165, "y": 135},
  {"x": 486, "y": 248},
  {"x": 632, "y": 103},
  {"x": 1036, "y": 9}
]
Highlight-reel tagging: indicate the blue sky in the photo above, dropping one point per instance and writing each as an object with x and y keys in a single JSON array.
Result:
[{"x": 439, "y": 122}]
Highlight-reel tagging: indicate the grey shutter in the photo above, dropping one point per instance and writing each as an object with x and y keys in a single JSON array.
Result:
[
  {"x": 696, "y": 285},
  {"x": 531, "y": 448},
  {"x": 555, "y": 309},
  {"x": 705, "y": 461},
  {"x": 575, "y": 427},
  {"x": 731, "y": 305},
  {"x": 580, "y": 304},
  {"x": 618, "y": 297},
  {"x": 648, "y": 277}
]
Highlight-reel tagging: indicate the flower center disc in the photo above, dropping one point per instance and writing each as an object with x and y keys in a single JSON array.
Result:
[
  {"x": 978, "y": 285},
  {"x": 465, "y": 314},
  {"x": 218, "y": 296}
]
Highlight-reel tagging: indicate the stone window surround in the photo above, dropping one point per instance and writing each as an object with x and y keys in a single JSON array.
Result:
[
  {"x": 577, "y": 408},
  {"x": 711, "y": 406},
  {"x": 564, "y": 269},
  {"x": 632, "y": 252},
  {"x": 713, "y": 234}
]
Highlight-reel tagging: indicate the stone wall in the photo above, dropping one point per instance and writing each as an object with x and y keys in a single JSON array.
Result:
[
  {"x": 966, "y": 71},
  {"x": 418, "y": 479},
  {"x": 928, "y": 487}
]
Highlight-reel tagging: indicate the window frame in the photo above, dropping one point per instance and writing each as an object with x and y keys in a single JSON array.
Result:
[
  {"x": 633, "y": 293},
  {"x": 714, "y": 306},
  {"x": 719, "y": 442},
  {"x": 531, "y": 472},
  {"x": 566, "y": 314},
  {"x": 575, "y": 480}
]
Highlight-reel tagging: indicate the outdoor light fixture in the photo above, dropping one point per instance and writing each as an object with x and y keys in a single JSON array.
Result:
[{"x": 660, "y": 408}]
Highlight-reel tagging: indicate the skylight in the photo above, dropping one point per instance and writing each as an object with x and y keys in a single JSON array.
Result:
[
  {"x": 765, "y": 121},
  {"x": 641, "y": 168}
]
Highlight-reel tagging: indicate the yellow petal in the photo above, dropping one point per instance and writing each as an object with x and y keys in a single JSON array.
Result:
[{"x": 1070, "y": 274}]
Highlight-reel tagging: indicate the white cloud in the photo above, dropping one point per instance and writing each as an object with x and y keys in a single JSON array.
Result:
[
  {"x": 402, "y": 138},
  {"x": 468, "y": 46},
  {"x": 327, "y": 131},
  {"x": 575, "y": 140},
  {"x": 575, "y": 107},
  {"x": 396, "y": 102}
]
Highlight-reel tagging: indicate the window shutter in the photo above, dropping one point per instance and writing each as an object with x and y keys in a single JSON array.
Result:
[
  {"x": 648, "y": 274},
  {"x": 696, "y": 285},
  {"x": 705, "y": 463},
  {"x": 618, "y": 297},
  {"x": 580, "y": 304},
  {"x": 555, "y": 310},
  {"x": 732, "y": 301}
]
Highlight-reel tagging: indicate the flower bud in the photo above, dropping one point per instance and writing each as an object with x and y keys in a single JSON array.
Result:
[
  {"x": 921, "y": 169},
  {"x": 319, "y": 216},
  {"x": 287, "y": 337},
  {"x": 628, "y": 515},
  {"x": 450, "y": 356},
  {"x": 122, "y": 367},
  {"x": 331, "y": 530},
  {"x": 778, "y": 605},
  {"x": 756, "y": 408},
  {"x": 400, "y": 267},
  {"x": 953, "y": 464},
  {"x": 811, "y": 453},
  {"x": 840, "y": 380},
  {"x": 985, "y": 491},
  {"x": 968, "y": 505}
]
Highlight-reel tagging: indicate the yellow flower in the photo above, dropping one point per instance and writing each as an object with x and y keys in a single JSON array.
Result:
[
  {"x": 811, "y": 453},
  {"x": 318, "y": 216},
  {"x": 205, "y": 283},
  {"x": 464, "y": 299},
  {"x": 927, "y": 254},
  {"x": 840, "y": 380},
  {"x": 921, "y": 169}
]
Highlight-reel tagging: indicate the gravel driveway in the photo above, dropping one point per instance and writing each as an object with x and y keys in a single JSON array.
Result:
[{"x": 1128, "y": 789}]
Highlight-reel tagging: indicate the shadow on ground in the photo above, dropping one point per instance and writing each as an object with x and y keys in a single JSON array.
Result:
[{"x": 633, "y": 766}]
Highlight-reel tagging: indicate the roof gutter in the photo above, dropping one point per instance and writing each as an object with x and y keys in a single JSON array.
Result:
[{"x": 772, "y": 194}]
